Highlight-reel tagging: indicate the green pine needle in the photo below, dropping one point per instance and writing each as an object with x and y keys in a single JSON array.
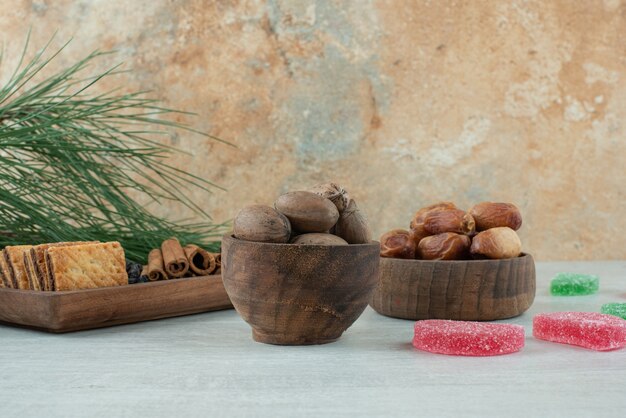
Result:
[{"x": 71, "y": 160}]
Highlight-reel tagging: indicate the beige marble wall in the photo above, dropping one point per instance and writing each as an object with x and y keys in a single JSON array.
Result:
[{"x": 404, "y": 102}]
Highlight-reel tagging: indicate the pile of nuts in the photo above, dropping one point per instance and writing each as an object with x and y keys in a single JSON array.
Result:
[
  {"x": 444, "y": 232},
  {"x": 323, "y": 215}
]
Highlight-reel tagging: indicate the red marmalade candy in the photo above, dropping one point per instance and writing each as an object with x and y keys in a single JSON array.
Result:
[
  {"x": 591, "y": 330},
  {"x": 463, "y": 338}
]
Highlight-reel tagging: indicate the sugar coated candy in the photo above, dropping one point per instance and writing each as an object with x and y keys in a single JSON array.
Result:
[
  {"x": 573, "y": 284},
  {"x": 617, "y": 309},
  {"x": 591, "y": 330},
  {"x": 462, "y": 338}
]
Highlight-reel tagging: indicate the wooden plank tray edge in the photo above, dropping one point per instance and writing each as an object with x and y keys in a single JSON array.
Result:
[{"x": 77, "y": 310}]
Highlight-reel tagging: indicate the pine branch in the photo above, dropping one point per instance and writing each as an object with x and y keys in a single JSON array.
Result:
[{"x": 70, "y": 161}]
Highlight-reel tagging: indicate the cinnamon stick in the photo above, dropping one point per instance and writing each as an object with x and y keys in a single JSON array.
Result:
[
  {"x": 218, "y": 259},
  {"x": 201, "y": 261},
  {"x": 174, "y": 259},
  {"x": 218, "y": 263},
  {"x": 155, "y": 266}
]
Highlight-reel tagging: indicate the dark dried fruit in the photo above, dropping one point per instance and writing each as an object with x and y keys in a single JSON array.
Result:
[
  {"x": 133, "y": 269},
  {"x": 140, "y": 279}
]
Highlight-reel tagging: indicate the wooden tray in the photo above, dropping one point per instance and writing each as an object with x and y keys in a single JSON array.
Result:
[{"x": 95, "y": 308}]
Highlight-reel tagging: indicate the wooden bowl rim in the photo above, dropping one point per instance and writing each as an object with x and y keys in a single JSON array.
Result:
[
  {"x": 232, "y": 238},
  {"x": 523, "y": 256}
]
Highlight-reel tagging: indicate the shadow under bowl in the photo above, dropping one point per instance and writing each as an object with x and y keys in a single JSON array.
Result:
[
  {"x": 298, "y": 294},
  {"x": 468, "y": 290}
]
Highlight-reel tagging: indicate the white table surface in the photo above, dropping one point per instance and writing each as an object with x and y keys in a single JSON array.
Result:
[{"x": 208, "y": 365}]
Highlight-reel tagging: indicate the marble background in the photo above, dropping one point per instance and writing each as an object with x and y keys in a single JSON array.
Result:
[{"x": 404, "y": 102}]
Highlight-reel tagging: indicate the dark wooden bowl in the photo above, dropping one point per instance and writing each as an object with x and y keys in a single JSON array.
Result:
[
  {"x": 298, "y": 294},
  {"x": 468, "y": 290}
]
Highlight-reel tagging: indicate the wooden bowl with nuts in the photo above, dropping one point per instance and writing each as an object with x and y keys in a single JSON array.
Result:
[
  {"x": 458, "y": 265},
  {"x": 293, "y": 281}
]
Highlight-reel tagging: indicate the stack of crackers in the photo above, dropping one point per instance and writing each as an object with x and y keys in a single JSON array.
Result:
[{"x": 63, "y": 266}]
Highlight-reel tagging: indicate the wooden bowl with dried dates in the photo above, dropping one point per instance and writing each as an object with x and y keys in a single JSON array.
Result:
[
  {"x": 293, "y": 280},
  {"x": 458, "y": 265}
]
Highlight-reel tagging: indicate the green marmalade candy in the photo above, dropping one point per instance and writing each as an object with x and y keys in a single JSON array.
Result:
[
  {"x": 617, "y": 309},
  {"x": 573, "y": 284}
]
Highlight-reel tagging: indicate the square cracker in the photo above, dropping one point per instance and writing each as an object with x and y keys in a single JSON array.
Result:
[
  {"x": 5, "y": 274},
  {"x": 29, "y": 266},
  {"x": 86, "y": 266},
  {"x": 14, "y": 256},
  {"x": 38, "y": 255}
]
